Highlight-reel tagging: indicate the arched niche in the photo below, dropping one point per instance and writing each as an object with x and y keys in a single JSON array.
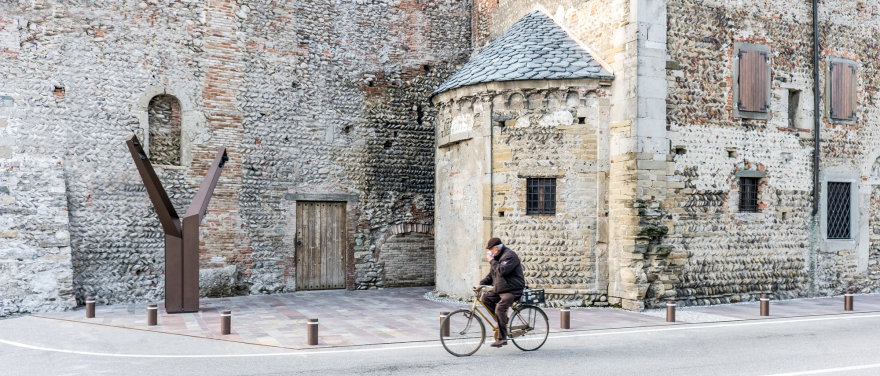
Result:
[
  {"x": 516, "y": 102},
  {"x": 193, "y": 127}
]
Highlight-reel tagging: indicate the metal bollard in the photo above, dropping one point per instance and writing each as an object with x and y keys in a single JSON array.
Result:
[
  {"x": 90, "y": 308},
  {"x": 225, "y": 322},
  {"x": 847, "y": 302},
  {"x": 444, "y": 325},
  {"x": 313, "y": 332},
  {"x": 670, "y": 311},
  {"x": 152, "y": 314},
  {"x": 765, "y": 305},
  {"x": 565, "y": 318}
]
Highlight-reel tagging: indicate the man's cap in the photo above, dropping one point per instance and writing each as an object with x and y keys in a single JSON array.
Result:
[{"x": 493, "y": 242}]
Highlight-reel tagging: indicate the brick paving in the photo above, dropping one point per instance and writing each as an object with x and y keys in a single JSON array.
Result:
[{"x": 349, "y": 318}]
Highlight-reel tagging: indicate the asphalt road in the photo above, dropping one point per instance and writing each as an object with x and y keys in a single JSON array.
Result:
[{"x": 824, "y": 345}]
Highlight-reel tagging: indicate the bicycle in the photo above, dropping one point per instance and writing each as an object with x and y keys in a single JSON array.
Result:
[{"x": 462, "y": 332}]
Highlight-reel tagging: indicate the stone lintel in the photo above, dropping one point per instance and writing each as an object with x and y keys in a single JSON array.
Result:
[
  {"x": 321, "y": 197},
  {"x": 751, "y": 174}
]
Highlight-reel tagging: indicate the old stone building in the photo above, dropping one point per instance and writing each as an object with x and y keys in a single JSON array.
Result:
[
  {"x": 632, "y": 151},
  {"x": 318, "y": 101},
  {"x": 520, "y": 122},
  {"x": 690, "y": 175}
]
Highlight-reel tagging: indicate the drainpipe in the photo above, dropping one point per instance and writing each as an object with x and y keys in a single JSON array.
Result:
[
  {"x": 491, "y": 170},
  {"x": 817, "y": 113},
  {"x": 817, "y": 121}
]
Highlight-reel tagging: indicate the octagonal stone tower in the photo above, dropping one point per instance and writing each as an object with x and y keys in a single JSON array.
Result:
[{"x": 522, "y": 135}]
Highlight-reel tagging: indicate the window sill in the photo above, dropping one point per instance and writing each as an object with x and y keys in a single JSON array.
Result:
[{"x": 749, "y": 216}]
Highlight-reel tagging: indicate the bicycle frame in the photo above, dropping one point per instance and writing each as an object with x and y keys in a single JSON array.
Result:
[{"x": 491, "y": 314}]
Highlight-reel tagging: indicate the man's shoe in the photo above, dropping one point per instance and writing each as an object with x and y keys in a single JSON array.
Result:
[{"x": 499, "y": 343}]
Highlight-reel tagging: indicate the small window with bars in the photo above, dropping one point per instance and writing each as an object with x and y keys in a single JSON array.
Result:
[
  {"x": 748, "y": 195},
  {"x": 838, "y": 210},
  {"x": 540, "y": 196},
  {"x": 842, "y": 88}
]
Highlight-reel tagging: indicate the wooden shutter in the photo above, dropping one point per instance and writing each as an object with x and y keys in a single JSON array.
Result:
[
  {"x": 753, "y": 69},
  {"x": 843, "y": 104}
]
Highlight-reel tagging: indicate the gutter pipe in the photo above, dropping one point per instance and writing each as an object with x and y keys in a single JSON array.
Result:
[{"x": 817, "y": 114}]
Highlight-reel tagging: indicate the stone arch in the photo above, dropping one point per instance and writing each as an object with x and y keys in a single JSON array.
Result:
[
  {"x": 870, "y": 168},
  {"x": 572, "y": 99},
  {"x": 590, "y": 101},
  {"x": 498, "y": 103},
  {"x": 536, "y": 101},
  {"x": 193, "y": 127},
  {"x": 516, "y": 102},
  {"x": 163, "y": 133},
  {"x": 406, "y": 255}
]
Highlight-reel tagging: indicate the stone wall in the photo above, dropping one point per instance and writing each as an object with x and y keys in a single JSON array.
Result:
[
  {"x": 719, "y": 255},
  {"x": 317, "y": 96},
  {"x": 546, "y": 133},
  {"x": 36, "y": 274},
  {"x": 617, "y": 31},
  {"x": 164, "y": 130},
  {"x": 676, "y": 149},
  {"x": 539, "y": 129}
]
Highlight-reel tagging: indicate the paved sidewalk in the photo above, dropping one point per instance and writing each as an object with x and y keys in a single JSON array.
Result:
[
  {"x": 349, "y": 318},
  {"x": 792, "y": 308}
]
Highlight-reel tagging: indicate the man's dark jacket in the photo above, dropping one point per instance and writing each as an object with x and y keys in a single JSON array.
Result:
[{"x": 506, "y": 273}]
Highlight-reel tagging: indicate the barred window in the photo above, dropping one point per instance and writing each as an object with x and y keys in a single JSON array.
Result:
[
  {"x": 838, "y": 210},
  {"x": 748, "y": 195},
  {"x": 540, "y": 196}
]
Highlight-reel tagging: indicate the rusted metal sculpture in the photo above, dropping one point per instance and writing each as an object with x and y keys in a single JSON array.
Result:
[{"x": 181, "y": 239}]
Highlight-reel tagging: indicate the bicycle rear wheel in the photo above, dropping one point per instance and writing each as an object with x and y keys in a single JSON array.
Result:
[
  {"x": 528, "y": 328},
  {"x": 466, "y": 332}
]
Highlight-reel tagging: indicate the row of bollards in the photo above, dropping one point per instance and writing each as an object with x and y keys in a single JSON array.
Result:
[
  {"x": 225, "y": 320},
  {"x": 765, "y": 306}
]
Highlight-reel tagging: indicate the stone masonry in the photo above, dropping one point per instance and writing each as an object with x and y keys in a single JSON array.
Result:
[
  {"x": 320, "y": 97},
  {"x": 677, "y": 147},
  {"x": 338, "y": 100}
]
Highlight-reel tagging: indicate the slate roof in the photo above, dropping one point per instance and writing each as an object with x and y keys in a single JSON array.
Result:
[{"x": 534, "y": 48}]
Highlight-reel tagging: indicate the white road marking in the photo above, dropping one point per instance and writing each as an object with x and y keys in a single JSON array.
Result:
[
  {"x": 827, "y": 370},
  {"x": 698, "y": 327},
  {"x": 22, "y": 345},
  {"x": 316, "y": 352}
]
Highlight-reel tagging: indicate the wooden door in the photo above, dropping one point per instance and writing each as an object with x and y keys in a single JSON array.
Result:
[{"x": 320, "y": 245}]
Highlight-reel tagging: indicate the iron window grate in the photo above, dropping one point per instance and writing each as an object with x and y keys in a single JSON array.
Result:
[
  {"x": 838, "y": 210},
  {"x": 748, "y": 195},
  {"x": 540, "y": 196}
]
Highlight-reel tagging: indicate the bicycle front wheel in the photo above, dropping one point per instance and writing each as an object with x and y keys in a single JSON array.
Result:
[
  {"x": 462, "y": 332},
  {"x": 528, "y": 328}
]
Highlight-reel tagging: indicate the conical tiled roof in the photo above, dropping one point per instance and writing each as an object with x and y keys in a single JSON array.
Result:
[{"x": 534, "y": 48}]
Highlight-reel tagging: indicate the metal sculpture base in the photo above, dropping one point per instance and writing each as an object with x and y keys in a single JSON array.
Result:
[{"x": 181, "y": 239}]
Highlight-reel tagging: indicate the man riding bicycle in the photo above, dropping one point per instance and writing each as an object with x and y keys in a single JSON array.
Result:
[{"x": 507, "y": 281}]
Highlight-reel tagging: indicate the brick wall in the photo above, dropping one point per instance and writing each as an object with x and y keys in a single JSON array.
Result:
[{"x": 407, "y": 259}]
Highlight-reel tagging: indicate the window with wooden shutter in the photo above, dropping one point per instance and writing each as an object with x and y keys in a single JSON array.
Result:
[
  {"x": 842, "y": 78},
  {"x": 753, "y": 81}
]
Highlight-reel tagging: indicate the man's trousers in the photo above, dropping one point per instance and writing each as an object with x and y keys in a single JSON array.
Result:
[{"x": 499, "y": 303}]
